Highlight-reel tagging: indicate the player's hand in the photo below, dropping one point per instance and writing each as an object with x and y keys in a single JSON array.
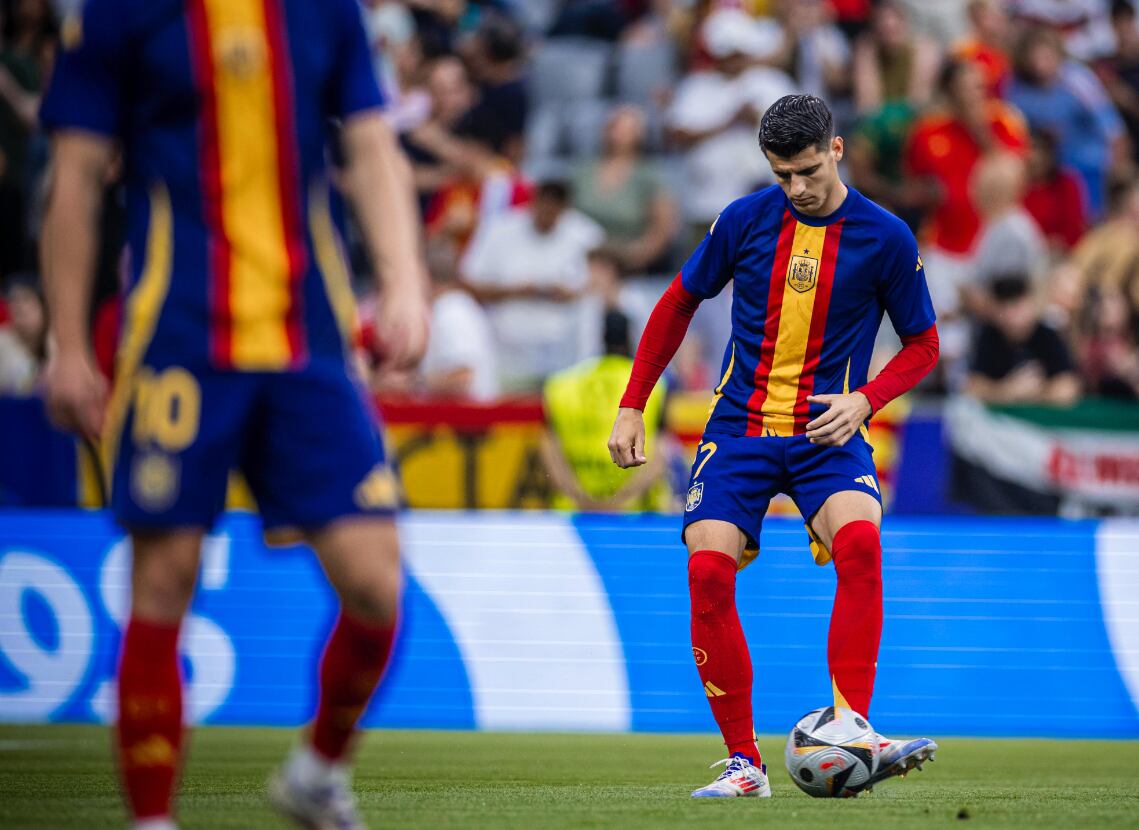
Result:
[
  {"x": 627, "y": 441},
  {"x": 402, "y": 326},
  {"x": 75, "y": 393},
  {"x": 844, "y": 415}
]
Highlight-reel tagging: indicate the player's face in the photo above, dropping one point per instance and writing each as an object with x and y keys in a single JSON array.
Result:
[{"x": 810, "y": 177}]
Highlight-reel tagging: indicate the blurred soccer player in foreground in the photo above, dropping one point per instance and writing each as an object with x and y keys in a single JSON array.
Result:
[
  {"x": 815, "y": 266},
  {"x": 236, "y": 335}
]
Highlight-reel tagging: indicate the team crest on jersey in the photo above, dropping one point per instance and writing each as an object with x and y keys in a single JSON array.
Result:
[
  {"x": 695, "y": 496},
  {"x": 241, "y": 52},
  {"x": 803, "y": 273},
  {"x": 378, "y": 490},
  {"x": 155, "y": 481}
]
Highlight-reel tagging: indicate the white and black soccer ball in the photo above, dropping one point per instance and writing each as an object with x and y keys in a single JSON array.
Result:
[{"x": 831, "y": 751}]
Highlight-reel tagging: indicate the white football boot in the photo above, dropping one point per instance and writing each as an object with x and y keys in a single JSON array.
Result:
[
  {"x": 314, "y": 794},
  {"x": 740, "y": 779},
  {"x": 898, "y": 758}
]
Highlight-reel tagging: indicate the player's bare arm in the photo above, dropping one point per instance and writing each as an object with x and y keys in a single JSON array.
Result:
[
  {"x": 379, "y": 185},
  {"x": 627, "y": 441},
  {"x": 845, "y": 414},
  {"x": 74, "y": 390}
]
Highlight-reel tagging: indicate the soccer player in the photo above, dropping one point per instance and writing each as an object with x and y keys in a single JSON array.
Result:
[
  {"x": 815, "y": 266},
  {"x": 236, "y": 337}
]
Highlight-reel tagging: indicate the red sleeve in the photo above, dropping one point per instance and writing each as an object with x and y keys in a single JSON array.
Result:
[
  {"x": 663, "y": 335},
  {"x": 905, "y": 369}
]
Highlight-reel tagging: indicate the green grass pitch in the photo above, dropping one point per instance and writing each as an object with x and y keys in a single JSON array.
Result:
[{"x": 60, "y": 777}]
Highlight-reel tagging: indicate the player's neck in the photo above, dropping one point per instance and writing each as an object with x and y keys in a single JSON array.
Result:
[{"x": 834, "y": 201}]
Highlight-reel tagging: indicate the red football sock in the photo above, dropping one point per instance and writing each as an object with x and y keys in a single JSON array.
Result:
[
  {"x": 353, "y": 663},
  {"x": 720, "y": 649},
  {"x": 150, "y": 716},
  {"x": 856, "y": 621}
]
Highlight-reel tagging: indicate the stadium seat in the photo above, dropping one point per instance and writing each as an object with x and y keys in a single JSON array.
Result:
[
  {"x": 644, "y": 70},
  {"x": 569, "y": 69}
]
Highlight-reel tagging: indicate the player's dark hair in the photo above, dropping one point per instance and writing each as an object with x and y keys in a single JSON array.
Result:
[
  {"x": 794, "y": 123},
  {"x": 553, "y": 189},
  {"x": 1008, "y": 287},
  {"x": 950, "y": 71},
  {"x": 1122, "y": 9},
  {"x": 503, "y": 38},
  {"x": 616, "y": 333}
]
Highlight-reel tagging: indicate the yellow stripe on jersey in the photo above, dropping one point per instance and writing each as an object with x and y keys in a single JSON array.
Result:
[
  {"x": 259, "y": 296},
  {"x": 330, "y": 262},
  {"x": 794, "y": 329},
  {"x": 144, "y": 305},
  {"x": 719, "y": 393}
]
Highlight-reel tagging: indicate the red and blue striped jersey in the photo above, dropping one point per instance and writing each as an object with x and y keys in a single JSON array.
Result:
[
  {"x": 809, "y": 295},
  {"x": 223, "y": 110}
]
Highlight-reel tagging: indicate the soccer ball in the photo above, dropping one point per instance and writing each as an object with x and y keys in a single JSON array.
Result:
[{"x": 830, "y": 751}]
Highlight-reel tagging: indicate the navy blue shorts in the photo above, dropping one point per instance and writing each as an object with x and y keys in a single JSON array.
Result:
[
  {"x": 734, "y": 480},
  {"x": 307, "y": 442}
]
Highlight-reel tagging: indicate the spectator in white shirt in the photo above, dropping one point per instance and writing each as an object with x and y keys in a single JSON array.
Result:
[
  {"x": 715, "y": 113},
  {"x": 460, "y": 360},
  {"x": 528, "y": 266}
]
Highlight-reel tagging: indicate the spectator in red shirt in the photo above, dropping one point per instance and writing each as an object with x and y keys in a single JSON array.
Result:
[
  {"x": 1055, "y": 197},
  {"x": 946, "y": 145},
  {"x": 944, "y": 148},
  {"x": 987, "y": 44}
]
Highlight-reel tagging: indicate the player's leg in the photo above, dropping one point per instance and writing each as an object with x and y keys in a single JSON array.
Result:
[
  {"x": 172, "y": 436},
  {"x": 848, "y": 526},
  {"x": 360, "y": 555},
  {"x": 728, "y": 495},
  {"x": 149, "y": 731},
  {"x": 316, "y": 463},
  {"x": 715, "y": 548},
  {"x": 844, "y": 524}
]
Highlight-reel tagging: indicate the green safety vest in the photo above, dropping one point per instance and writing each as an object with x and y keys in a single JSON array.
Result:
[{"x": 581, "y": 403}]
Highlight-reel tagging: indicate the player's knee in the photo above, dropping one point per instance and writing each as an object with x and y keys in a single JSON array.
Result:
[
  {"x": 162, "y": 591},
  {"x": 373, "y": 596},
  {"x": 711, "y": 580},
  {"x": 857, "y": 554}
]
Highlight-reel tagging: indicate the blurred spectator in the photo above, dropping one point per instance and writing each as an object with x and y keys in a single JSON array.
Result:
[
  {"x": 986, "y": 45},
  {"x": 943, "y": 151},
  {"x": 1110, "y": 351},
  {"x": 460, "y": 358},
  {"x": 528, "y": 266},
  {"x": 813, "y": 51},
  {"x": 1119, "y": 71},
  {"x": 1108, "y": 255},
  {"x": 891, "y": 63},
  {"x": 28, "y": 33},
  {"x": 579, "y": 403},
  {"x": 943, "y": 21},
  {"x": 1084, "y": 24},
  {"x": 391, "y": 33},
  {"x": 623, "y": 193},
  {"x": 23, "y": 340},
  {"x": 715, "y": 115},
  {"x": 875, "y": 149},
  {"x": 1016, "y": 357},
  {"x": 482, "y": 184},
  {"x": 602, "y": 19},
  {"x": 1065, "y": 98},
  {"x": 1010, "y": 241},
  {"x": 451, "y": 94},
  {"x": 1055, "y": 195},
  {"x": 496, "y": 56}
]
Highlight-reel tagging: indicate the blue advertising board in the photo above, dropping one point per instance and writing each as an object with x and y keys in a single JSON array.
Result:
[{"x": 537, "y": 621}]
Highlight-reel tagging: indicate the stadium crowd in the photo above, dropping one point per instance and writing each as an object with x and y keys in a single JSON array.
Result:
[{"x": 569, "y": 153}]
